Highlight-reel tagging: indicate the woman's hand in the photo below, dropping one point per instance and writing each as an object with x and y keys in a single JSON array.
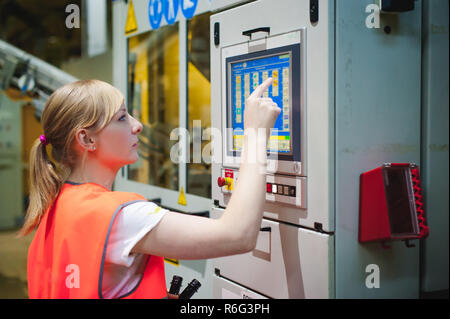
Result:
[
  {"x": 260, "y": 112},
  {"x": 170, "y": 296}
]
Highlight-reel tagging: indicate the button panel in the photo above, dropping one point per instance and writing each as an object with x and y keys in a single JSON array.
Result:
[
  {"x": 280, "y": 189},
  {"x": 289, "y": 190}
]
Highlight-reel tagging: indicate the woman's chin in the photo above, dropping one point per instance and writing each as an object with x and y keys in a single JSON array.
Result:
[{"x": 134, "y": 158}]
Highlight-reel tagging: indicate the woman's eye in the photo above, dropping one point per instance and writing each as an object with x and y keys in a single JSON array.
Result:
[{"x": 122, "y": 118}]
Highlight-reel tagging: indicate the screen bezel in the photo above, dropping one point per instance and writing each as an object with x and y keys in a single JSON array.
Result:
[{"x": 294, "y": 99}]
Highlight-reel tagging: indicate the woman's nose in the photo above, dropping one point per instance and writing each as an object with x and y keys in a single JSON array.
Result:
[{"x": 137, "y": 128}]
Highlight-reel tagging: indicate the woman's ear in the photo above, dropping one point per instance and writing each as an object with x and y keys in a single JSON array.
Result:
[{"x": 85, "y": 140}]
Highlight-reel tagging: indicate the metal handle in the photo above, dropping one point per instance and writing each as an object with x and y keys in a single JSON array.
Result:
[{"x": 261, "y": 29}]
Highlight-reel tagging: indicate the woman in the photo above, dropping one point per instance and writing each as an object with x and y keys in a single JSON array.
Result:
[{"x": 92, "y": 242}]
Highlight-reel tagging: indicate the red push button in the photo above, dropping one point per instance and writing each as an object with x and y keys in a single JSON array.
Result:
[
  {"x": 224, "y": 181},
  {"x": 269, "y": 188},
  {"x": 221, "y": 181}
]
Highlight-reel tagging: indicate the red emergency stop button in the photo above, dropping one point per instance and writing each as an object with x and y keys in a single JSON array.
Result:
[
  {"x": 224, "y": 181},
  {"x": 221, "y": 181}
]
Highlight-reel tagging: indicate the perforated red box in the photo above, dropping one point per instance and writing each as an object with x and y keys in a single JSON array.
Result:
[{"x": 391, "y": 204}]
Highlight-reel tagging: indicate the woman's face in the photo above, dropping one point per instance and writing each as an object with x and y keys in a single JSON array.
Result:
[{"x": 117, "y": 143}]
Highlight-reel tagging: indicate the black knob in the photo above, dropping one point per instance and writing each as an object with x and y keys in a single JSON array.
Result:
[
  {"x": 190, "y": 289},
  {"x": 175, "y": 285}
]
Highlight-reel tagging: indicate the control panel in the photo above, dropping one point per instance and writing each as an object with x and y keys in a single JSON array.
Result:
[
  {"x": 244, "y": 68},
  {"x": 289, "y": 190}
]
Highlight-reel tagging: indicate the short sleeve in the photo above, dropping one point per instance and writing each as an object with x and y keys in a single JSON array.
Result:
[{"x": 129, "y": 227}]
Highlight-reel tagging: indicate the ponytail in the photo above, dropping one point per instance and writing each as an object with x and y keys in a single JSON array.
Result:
[{"x": 45, "y": 183}]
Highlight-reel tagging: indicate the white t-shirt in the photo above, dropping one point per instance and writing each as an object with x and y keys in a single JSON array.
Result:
[{"x": 123, "y": 270}]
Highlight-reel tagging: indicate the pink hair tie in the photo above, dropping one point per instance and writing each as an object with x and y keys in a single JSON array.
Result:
[{"x": 43, "y": 139}]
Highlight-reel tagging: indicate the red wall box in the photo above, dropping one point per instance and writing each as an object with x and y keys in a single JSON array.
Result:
[{"x": 391, "y": 204}]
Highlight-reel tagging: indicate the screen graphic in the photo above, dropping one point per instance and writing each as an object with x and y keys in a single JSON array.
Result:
[{"x": 245, "y": 78}]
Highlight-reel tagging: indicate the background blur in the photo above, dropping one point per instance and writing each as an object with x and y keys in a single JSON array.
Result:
[{"x": 35, "y": 30}]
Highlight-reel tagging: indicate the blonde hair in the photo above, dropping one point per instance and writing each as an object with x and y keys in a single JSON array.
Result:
[{"x": 81, "y": 104}]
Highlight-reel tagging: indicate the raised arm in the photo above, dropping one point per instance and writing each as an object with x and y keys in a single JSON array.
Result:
[{"x": 190, "y": 237}]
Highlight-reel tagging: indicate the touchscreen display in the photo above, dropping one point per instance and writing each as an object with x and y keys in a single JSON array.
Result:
[{"x": 246, "y": 75}]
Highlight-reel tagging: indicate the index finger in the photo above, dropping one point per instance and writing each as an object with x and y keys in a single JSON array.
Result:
[{"x": 260, "y": 89}]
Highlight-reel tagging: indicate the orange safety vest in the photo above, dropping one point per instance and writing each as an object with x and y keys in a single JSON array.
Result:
[{"x": 67, "y": 255}]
